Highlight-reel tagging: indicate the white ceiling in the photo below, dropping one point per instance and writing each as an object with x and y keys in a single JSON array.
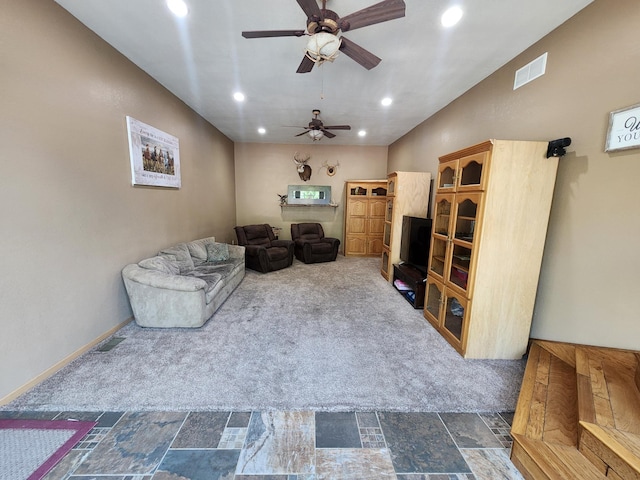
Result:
[{"x": 203, "y": 59}]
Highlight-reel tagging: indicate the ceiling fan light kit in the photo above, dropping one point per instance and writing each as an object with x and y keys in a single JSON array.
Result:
[
  {"x": 316, "y": 134},
  {"x": 323, "y": 26},
  {"x": 323, "y": 47}
]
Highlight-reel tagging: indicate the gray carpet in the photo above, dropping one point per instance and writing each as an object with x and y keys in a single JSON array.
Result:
[{"x": 331, "y": 336}]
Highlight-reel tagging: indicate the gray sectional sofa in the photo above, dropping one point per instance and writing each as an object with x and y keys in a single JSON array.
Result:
[{"x": 183, "y": 285}]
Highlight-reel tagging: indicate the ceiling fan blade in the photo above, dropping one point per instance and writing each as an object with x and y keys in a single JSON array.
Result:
[
  {"x": 303, "y": 133},
  {"x": 378, "y": 13},
  {"x": 338, "y": 127},
  {"x": 364, "y": 57},
  {"x": 327, "y": 134},
  {"x": 310, "y": 7},
  {"x": 273, "y": 33},
  {"x": 306, "y": 65}
]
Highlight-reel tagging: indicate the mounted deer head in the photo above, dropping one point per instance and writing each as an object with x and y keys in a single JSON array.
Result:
[
  {"x": 304, "y": 170},
  {"x": 331, "y": 169}
]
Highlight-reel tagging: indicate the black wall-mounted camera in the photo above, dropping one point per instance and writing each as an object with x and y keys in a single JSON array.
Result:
[{"x": 556, "y": 147}]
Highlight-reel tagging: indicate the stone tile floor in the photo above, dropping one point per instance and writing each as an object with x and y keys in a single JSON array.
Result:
[{"x": 290, "y": 445}]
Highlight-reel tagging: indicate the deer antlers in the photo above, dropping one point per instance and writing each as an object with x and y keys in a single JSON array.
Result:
[
  {"x": 304, "y": 170},
  {"x": 331, "y": 169},
  {"x": 299, "y": 161}
]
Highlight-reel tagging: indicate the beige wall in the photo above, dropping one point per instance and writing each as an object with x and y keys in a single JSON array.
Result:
[
  {"x": 266, "y": 170},
  {"x": 589, "y": 280},
  {"x": 70, "y": 217}
]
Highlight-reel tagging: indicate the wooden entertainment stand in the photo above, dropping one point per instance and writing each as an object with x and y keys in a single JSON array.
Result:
[{"x": 414, "y": 278}]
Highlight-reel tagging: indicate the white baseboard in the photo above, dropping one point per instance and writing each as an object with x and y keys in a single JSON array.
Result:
[{"x": 62, "y": 363}]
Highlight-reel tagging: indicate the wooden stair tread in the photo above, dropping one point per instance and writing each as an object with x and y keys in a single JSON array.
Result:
[
  {"x": 578, "y": 405},
  {"x": 607, "y": 390},
  {"x": 556, "y": 462},
  {"x": 624, "y": 445},
  {"x": 563, "y": 351}
]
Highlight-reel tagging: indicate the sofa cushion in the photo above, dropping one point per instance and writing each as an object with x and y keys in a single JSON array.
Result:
[
  {"x": 217, "y": 252},
  {"x": 198, "y": 250},
  {"x": 213, "y": 280},
  {"x": 183, "y": 257},
  {"x": 223, "y": 268},
  {"x": 162, "y": 263},
  {"x": 277, "y": 253},
  {"x": 321, "y": 247},
  {"x": 257, "y": 235}
]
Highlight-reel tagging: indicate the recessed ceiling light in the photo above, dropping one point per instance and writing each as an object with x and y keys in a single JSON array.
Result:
[
  {"x": 386, "y": 101},
  {"x": 238, "y": 96},
  {"x": 262, "y": 130},
  {"x": 451, "y": 16},
  {"x": 178, "y": 7},
  {"x": 362, "y": 133}
]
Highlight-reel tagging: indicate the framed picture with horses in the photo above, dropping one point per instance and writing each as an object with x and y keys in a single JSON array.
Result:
[{"x": 154, "y": 154}]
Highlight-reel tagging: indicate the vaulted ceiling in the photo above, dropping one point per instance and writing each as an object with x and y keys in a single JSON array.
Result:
[{"x": 203, "y": 59}]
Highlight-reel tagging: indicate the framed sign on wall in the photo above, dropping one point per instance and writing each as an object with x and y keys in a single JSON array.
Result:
[
  {"x": 624, "y": 129},
  {"x": 155, "y": 156}
]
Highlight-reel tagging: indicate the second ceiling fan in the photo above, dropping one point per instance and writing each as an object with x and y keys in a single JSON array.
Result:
[
  {"x": 316, "y": 129},
  {"x": 323, "y": 26}
]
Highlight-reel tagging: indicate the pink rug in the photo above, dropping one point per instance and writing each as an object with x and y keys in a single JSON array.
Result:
[{"x": 29, "y": 449}]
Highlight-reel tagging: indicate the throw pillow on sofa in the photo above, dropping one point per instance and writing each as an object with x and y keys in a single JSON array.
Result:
[
  {"x": 166, "y": 264},
  {"x": 217, "y": 252},
  {"x": 183, "y": 257}
]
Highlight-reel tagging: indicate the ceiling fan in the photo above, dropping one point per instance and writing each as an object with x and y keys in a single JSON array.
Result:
[
  {"x": 323, "y": 26},
  {"x": 316, "y": 129}
]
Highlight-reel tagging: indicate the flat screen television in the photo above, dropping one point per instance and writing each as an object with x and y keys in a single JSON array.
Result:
[{"x": 415, "y": 242}]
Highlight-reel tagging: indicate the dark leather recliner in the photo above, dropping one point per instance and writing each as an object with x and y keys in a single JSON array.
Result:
[
  {"x": 310, "y": 244},
  {"x": 262, "y": 251}
]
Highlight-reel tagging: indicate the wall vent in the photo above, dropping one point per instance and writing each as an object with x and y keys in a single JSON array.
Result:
[{"x": 531, "y": 71}]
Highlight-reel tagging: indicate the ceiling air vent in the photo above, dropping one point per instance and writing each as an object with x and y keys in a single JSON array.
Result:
[{"x": 531, "y": 71}]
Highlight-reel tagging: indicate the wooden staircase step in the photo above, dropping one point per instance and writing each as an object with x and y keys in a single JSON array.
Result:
[
  {"x": 547, "y": 406},
  {"x": 542, "y": 461},
  {"x": 578, "y": 413},
  {"x": 564, "y": 351},
  {"x": 618, "y": 451},
  {"x": 607, "y": 391}
]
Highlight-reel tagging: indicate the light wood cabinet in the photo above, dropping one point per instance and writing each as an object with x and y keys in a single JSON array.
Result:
[
  {"x": 364, "y": 217},
  {"x": 407, "y": 194},
  {"x": 490, "y": 221}
]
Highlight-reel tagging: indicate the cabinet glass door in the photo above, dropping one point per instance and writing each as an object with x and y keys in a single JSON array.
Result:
[
  {"x": 442, "y": 217},
  {"x": 441, "y": 232},
  {"x": 465, "y": 216},
  {"x": 389, "y": 210},
  {"x": 379, "y": 192},
  {"x": 467, "y": 207},
  {"x": 358, "y": 190},
  {"x": 384, "y": 269},
  {"x": 447, "y": 176},
  {"x": 438, "y": 257},
  {"x": 391, "y": 185},
  {"x": 471, "y": 172},
  {"x": 433, "y": 301},
  {"x": 386, "y": 237},
  {"x": 459, "y": 271},
  {"x": 454, "y": 320}
]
